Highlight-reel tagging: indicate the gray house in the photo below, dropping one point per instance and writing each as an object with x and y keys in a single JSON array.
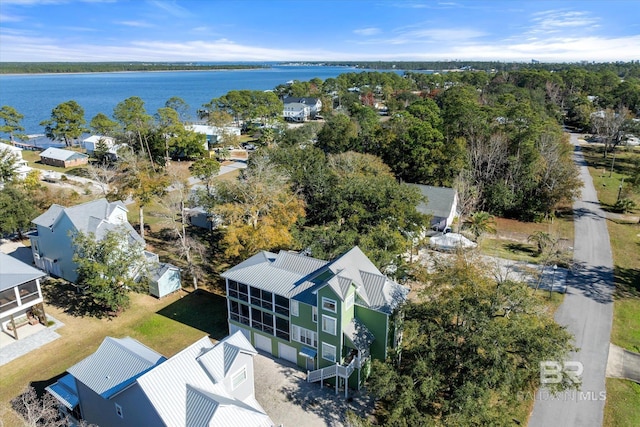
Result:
[
  {"x": 125, "y": 383},
  {"x": 52, "y": 242},
  {"x": 442, "y": 205}
]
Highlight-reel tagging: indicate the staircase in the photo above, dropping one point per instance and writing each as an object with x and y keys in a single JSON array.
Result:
[{"x": 336, "y": 370}]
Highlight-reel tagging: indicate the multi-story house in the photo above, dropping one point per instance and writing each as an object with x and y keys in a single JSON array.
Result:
[
  {"x": 301, "y": 109},
  {"x": 124, "y": 383},
  {"x": 52, "y": 242},
  {"x": 330, "y": 318}
]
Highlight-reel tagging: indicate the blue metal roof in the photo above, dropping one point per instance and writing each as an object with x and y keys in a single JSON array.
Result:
[
  {"x": 65, "y": 391},
  {"x": 308, "y": 352}
]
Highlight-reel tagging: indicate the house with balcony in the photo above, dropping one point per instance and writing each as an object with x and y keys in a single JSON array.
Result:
[
  {"x": 328, "y": 317},
  {"x": 124, "y": 383},
  {"x": 52, "y": 241},
  {"x": 21, "y": 299},
  {"x": 301, "y": 109},
  {"x": 20, "y": 168}
]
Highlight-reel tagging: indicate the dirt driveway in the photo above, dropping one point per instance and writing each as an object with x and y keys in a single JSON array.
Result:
[{"x": 283, "y": 392}]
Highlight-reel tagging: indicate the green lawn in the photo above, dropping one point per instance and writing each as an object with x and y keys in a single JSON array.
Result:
[{"x": 623, "y": 403}]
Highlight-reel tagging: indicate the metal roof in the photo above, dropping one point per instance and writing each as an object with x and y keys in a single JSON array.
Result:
[
  {"x": 14, "y": 272},
  {"x": 60, "y": 154},
  {"x": 115, "y": 365},
  {"x": 189, "y": 387},
  {"x": 65, "y": 391},
  {"x": 297, "y": 276}
]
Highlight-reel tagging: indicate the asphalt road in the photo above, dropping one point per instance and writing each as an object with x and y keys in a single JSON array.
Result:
[{"x": 587, "y": 312}]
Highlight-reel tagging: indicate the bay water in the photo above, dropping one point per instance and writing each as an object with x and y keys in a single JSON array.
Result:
[{"x": 35, "y": 95}]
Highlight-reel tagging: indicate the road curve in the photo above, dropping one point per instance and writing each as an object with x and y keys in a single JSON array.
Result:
[{"x": 587, "y": 312}]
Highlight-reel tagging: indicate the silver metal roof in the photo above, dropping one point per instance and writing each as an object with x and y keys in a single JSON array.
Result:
[
  {"x": 14, "y": 272},
  {"x": 60, "y": 154},
  {"x": 440, "y": 200},
  {"x": 297, "y": 276},
  {"x": 115, "y": 365},
  {"x": 189, "y": 386}
]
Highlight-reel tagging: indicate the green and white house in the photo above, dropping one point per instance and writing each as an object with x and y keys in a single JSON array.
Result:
[{"x": 330, "y": 318}]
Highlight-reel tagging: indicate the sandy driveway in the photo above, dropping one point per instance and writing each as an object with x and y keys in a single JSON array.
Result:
[{"x": 290, "y": 401}]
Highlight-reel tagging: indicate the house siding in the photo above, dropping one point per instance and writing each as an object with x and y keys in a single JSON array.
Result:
[
  {"x": 324, "y": 337},
  {"x": 56, "y": 245},
  {"x": 378, "y": 324}
]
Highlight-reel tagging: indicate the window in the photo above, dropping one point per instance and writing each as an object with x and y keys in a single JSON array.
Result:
[
  {"x": 262, "y": 298},
  {"x": 282, "y": 305},
  {"x": 328, "y": 324},
  {"x": 262, "y": 320},
  {"x": 282, "y": 328},
  {"x": 328, "y": 352},
  {"x": 349, "y": 301},
  {"x": 239, "y": 312},
  {"x": 294, "y": 308},
  {"x": 119, "y": 411},
  {"x": 238, "y": 291},
  {"x": 314, "y": 314},
  {"x": 304, "y": 336},
  {"x": 239, "y": 377},
  {"x": 328, "y": 304}
]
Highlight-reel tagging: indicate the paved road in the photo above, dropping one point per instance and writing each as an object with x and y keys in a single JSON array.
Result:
[{"x": 587, "y": 312}]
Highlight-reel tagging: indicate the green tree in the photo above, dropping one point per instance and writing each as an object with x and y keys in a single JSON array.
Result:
[
  {"x": 339, "y": 134},
  {"x": 541, "y": 239},
  {"x": 135, "y": 122},
  {"x": 66, "y": 124},
  {"x": 17, "y": 209},
  {"x": 111, "y": 267},
  {"x": 206, "y": 170},
  {"x": 471, "y": 346},
  {"x": 480, "y": 223},
  {"x": 103, "y": 125},
  {"x": 8, "y": 165},
  {"x": 11, "y": 119},
  {"x": 180, "y": 106}
]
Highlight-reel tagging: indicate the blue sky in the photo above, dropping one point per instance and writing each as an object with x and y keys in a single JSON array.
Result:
[{"x": 328, "y": 30}]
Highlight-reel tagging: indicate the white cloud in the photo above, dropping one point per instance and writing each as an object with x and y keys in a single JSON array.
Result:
[
  {"x": 10, "y": 18},
  {"x": 171, "y": 8},
  {"x": 136, "y": 24},
  {"x": 554, "y": 21},
  {"x": 371, "y": 31}
]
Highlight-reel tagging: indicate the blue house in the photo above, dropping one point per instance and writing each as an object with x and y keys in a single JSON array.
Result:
[{"x": 52, "y": 242}]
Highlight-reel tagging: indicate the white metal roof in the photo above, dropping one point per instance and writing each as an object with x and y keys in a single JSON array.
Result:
[{"x": 188, "y": 388}]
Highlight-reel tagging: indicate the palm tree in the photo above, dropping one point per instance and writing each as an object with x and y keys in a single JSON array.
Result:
[
  {"x": 541, "y": 239},
  {"x": 480, "y": 223}
]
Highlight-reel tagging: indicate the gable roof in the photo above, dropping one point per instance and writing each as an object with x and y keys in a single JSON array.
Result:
[
  {"x": 297, "y": 276},
  {"x": 188, "y": 388},
  {"x": 440, "y": 200},
  {"x": 14, "y": 272},
  {"x": 60, "y": 154},
  {"x": 90, "y": 217},
  {"x": 297, "y": 100},
  {"x": 115, "y": 365}
]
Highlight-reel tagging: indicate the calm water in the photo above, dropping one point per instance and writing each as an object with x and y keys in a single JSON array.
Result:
[{"x": 35, "y": 96}]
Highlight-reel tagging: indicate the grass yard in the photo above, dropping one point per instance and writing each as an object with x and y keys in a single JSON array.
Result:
[
  {"x": 166, "y": 325},
  {"x": 510, "y": 240},
  {"x": 623, "y": 403}
]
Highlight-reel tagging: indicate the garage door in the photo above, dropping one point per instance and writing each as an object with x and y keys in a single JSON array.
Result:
[
  {"x": 287, "y": 352},
  {"x": 235, "y": 328},
  {"x": 262, "y": 343}
]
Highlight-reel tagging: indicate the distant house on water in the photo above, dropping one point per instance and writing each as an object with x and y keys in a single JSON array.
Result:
[{"x": 63, "y": 158}]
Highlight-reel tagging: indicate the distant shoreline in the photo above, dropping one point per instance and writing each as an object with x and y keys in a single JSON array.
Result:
[{"x": 12, "y": 68}]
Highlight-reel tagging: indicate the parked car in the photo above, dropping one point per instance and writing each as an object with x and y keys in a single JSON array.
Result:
[{"x": 248, "y": 146}]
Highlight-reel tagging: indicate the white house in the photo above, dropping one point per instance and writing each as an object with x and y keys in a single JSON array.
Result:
[
  {"x": 91, "y": 143},
  {"x": 20, "y": 295},
  {"x": 301, "y": 109},
  {"x": 215, "y": 135},
  {"x": 442, "y": 205},
  {"x": 21, "y": 169},
  {"x": 52, "y": 242},
  {"x": 125, "y": 383}
]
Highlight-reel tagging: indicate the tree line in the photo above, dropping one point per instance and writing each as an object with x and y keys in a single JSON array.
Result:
[{"x": 110, "y": 67}]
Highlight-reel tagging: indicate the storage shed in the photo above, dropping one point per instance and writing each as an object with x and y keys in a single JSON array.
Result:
[{"x": 62, "y": 158}]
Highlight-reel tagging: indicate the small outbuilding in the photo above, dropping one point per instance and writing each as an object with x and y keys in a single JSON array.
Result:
[
  {"x": 442, "y": 205},
  {"x": 63, "y": 158}
]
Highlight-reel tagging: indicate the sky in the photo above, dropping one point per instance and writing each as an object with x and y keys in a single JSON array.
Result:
[{"x": 328, "y": 30}]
